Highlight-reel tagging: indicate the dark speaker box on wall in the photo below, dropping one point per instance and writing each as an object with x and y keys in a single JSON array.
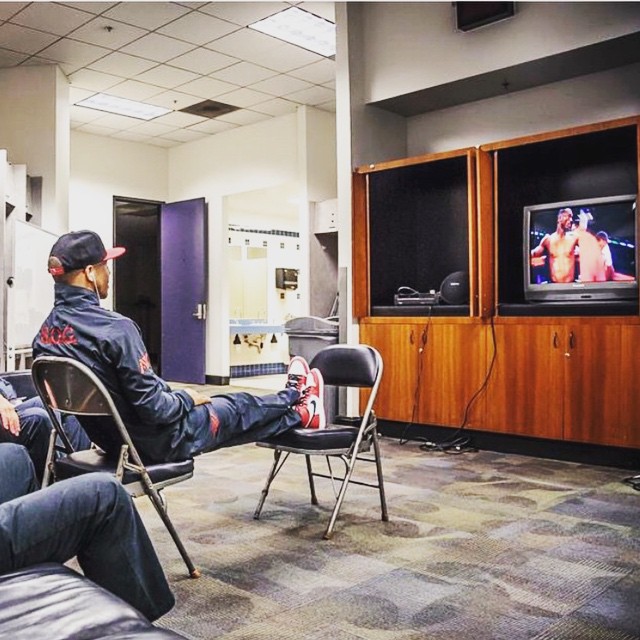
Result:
[
  {"x": 473, "y": 15},
  {"x": 455, "y": 288}
]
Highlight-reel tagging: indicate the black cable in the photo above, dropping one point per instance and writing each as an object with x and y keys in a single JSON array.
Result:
[{"x": 456, "y": 444}]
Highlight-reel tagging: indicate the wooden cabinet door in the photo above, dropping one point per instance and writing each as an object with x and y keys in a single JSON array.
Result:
[
  {"x": 453, "y": 370},
  {"x": 627, "y": 396},
  {"x": 399, "y": 346},
  {"x": 525, "y": 394},
  {"x": 592, "y": 382}
]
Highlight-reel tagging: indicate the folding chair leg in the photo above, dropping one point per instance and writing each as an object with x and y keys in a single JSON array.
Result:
[
  {"x": 47, "y": 478},
  {"x": 312, "y": 486},
  {"x": 383, "y": 499},
  {"x": 157, "y": 503},
  {"x": 270, "y": 477},
  {"x": 336, "y": 509}
]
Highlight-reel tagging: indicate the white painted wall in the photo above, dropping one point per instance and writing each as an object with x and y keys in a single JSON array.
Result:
[
  {"x": 411, "y": 46},
  {"x": 105, "y": 167},
  {"x": 34, "y": 128},
  {"x": 584, "y": 100}
]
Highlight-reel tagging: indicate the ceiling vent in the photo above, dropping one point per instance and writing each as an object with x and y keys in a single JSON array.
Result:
[{"x": 209, "y": 109}]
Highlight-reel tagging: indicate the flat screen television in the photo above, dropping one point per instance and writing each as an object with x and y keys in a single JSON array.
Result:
[{"x": 581, "y": 250}]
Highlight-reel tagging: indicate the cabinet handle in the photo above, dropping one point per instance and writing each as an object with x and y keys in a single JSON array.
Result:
[
  {"x": 555, "y": 339},
  {"x": 412, "y": 338},
  {"x": 572, "y": 340}
]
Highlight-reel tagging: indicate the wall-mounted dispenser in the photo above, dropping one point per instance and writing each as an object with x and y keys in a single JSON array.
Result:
[{"x": 286, "y": 278}]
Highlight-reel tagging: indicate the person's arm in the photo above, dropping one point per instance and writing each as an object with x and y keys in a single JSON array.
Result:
[
  {"x": 150, "y": 396},
  {"x": 538, "y": 255}
]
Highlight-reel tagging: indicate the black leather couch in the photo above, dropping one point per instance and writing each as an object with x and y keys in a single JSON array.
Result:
[{"x": 53, "y": 602}]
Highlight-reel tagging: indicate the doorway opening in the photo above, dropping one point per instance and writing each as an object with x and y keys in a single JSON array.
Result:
[{"x": 137, "y": 272}]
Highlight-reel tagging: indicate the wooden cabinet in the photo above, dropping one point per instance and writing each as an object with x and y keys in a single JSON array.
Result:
[
  {"x": 524, "y": 394},
  {"x": 432, "y": 370},
  {"x": 563, "y": 380},
  {"x": 560, "y": 372}
]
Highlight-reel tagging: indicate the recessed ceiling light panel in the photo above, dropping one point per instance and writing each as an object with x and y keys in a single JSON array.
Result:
[
  {"x": 300, "y": 28},
  {"x": 123, "y": 107}
]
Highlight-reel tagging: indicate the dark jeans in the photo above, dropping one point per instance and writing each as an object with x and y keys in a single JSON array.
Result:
[
  {"x": 91, "y": 517},
  {"x": 235, "y": 418},
  {"x": 35, "y": 427}
]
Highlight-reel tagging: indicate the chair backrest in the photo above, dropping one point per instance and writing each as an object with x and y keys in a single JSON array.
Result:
[
  {"x": 70, "y": 387},
  {"x": 347, "y": 365}
]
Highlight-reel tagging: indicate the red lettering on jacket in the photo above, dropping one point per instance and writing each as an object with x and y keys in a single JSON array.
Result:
[
  {"x": 57, "y": 335},
  {"x": 144, "y": 363}
]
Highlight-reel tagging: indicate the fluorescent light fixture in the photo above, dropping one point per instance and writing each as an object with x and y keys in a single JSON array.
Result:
[
  {"x": 123, "y": 107},
  {"x": 301, "y": 28}
]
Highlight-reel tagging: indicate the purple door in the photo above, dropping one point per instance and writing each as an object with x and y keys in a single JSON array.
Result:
[{"x": 183, "y": 259}]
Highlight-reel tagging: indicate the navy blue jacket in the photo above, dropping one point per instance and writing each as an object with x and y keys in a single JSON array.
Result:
[{"x": 111, "y": 345}]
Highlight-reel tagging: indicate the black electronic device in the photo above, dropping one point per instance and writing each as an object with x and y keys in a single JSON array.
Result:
[
  {"x": 406, "y": 296},
  {"x": 472, "y": 15},
  {"x": 455, "y": 288}
]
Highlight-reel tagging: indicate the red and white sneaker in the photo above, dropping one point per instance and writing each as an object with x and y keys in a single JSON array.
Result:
[
  {"x": 297, "y": 374},
  {"x": 311, "y": 407}
]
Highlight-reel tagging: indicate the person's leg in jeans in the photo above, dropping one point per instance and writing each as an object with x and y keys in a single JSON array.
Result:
[
  {"x": 91, "y": 517},
  {"x": 237, "y": 418},
  {"x": 35, "y": 427},
  {"x": 77, "y": 435},
  {"x": 72, "y": 427},
  {"x": 17, "y": 475}
]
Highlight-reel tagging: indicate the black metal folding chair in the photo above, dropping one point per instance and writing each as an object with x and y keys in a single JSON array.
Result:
[
  {"x": 342, "y": 366},
  {"x": 68, "y": 387}
]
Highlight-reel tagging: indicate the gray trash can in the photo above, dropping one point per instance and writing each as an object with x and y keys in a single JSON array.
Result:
[{"x": 308, "y": 335}]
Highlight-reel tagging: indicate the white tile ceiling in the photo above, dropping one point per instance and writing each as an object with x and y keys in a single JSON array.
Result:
[{"x": 171, "y": 54}]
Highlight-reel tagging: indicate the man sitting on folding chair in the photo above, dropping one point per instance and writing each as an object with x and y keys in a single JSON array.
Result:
[
  {"x": 164, "y": 425},
  {"x": 91, "y": 518}
]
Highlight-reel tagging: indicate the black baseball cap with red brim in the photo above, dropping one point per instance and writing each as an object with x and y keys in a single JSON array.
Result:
[{"x": 78, "y": 249}]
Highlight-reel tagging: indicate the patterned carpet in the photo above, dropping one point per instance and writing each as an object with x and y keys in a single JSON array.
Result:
[{"x": 481, "y": 546}]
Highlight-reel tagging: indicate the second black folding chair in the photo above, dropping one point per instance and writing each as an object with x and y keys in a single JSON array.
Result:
[{"x": 341, "y": 365}]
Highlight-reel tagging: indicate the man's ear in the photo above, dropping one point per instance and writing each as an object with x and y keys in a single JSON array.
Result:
[{"x": 91, "y": 276}]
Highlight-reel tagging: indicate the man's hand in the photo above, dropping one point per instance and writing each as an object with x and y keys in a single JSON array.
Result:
[
  {"x": 584, "y": 217},
  {"x": 10, "y": 420},
  {"x": 198, "y": 398}
]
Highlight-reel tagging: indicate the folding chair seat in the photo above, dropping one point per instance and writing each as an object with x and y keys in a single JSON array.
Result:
[
  {"x": 341, "y": 365},
  {"x": 68, "y": 387}
]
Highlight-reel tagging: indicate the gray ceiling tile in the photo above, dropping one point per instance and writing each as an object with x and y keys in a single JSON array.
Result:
[
  {"x": 167, "y": 77},
  {"x": 243, "y": 73},
  {"x": 148, "y": 15},
  {"x": 157, "y": 47},
  {"x": 202, "y": 61},
  {"x": 107, "y": 33},
  {"x": 23, "y": 39},
  {"x": 197, "y": 28},
  {"x": 9, "y": 9},
  {"x": 122, "y": 64},
  {"x": 11, "y": 58},
  {"x": 51, "y": 17},
  {"x": 243, "y": 13}
]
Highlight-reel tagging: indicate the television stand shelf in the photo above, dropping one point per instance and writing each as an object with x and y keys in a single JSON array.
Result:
[{"x": 561, "y": 309}]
